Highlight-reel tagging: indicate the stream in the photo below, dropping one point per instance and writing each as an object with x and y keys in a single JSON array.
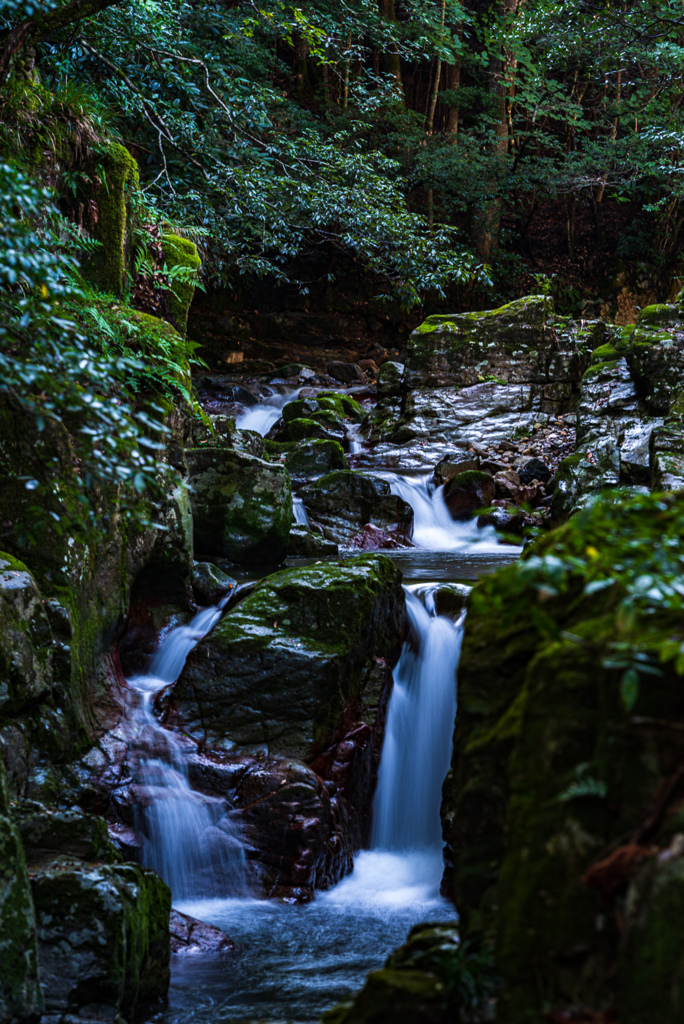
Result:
[{"x": 297, "y": 960}]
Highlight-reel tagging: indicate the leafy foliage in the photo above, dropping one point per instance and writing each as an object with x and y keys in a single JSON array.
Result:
[{"x": 55, "y": 371}]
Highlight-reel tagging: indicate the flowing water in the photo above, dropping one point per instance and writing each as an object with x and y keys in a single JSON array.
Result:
[
  {"x": 297, "y": 961},
  {"x": 190, "y": 839},
  {"x": 266, "y": 414},
  {"x": 301, "y": 516},
  {"x": 417, "y": 748}
]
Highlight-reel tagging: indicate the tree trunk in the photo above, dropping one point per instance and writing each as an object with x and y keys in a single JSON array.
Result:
[
  {"x": 390, "y": 60},
  {"x": 430, "y": 119},
  {"x": 486, "y": 221},
  {"x": 43, "y": 26}
]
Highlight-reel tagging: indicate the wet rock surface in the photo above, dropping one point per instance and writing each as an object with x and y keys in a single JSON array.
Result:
[
  {"x": 279, "y": 670},
  {"x": 103, "y": 938},
  {"x": 344, "y": 502},
  {"x": 190, "y": 937},
  {"x": 242, "y": 505}
]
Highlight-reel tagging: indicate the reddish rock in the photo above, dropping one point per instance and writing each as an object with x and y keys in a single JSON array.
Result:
[
  {"x": 188, "y": 936},
  {"x": 372, "y": 538},
  {"x": 468, "y": 492}
]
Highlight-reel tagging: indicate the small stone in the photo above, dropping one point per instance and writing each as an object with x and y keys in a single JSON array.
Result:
[
  {"x": 535, "y": 469},
  {"x": 347, "y": 373},
  {"x": 210, "y": 584}
]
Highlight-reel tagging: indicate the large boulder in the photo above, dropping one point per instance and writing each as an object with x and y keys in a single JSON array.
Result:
[
  {"x": 103, "y": 937},
  {"x": 482, "y": 378},
  {"x": 308, "y": 459},
  {"x": 629, "y": 417},
  {"x": 344, "y": 502},
  {"x": 652, "y": 961},
  {"x": 567, "y": 759},
  {"x": 20, "y": 995},
  {"x": 242, "y": 505},
  {"x": 279, "y": 671},
  {"x": 25, "y": 639},
  {"x": 431, "y": 979},
  {"x": 84, "y": 573}
]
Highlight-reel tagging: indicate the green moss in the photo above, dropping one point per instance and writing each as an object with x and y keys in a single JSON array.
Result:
[
  {"x": 601, "y": 367},
  {"x": 343, "y": 406},
  {"x": 181, "y": 252},
  {"x": 118, "y": 172},
  {"x": 547, "y": 771},
  {"x": 305, "y": 429},
  {"x": 661, "y": 315},
  {"x": 470, "y": 477},
  {"x": 604, "y": 353}
]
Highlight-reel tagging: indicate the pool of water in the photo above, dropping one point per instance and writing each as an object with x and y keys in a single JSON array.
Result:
[{"x": 298, "y": 961}]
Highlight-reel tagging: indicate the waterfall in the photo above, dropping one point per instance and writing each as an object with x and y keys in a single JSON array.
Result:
[
  {"x": 190, "y": 839},
  {"x": 263, "y": 416},
  {"x": 301, "y": 516},
  {"x": 417, "y": 749},
  {"x": 433, "y": 527}
]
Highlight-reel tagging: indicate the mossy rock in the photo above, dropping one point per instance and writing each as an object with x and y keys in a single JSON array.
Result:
[
  {"x": 181, "y": 252},
  {"x": 312, "y": 430},
  {"x": 242, "y": 505},
  {"x": 26, "y": 673},
  {"x": 103, "y": 936},
  {"x": 344, "y": 501},
  {"x": 552, "y": 768},
  {"x": 20, "y": 994},
  {"x": 652, "y": 955},
  {"x": 118, "y": 172},
  {"x": 311, "y": 459},
  {"x": 281, "y": 667}
]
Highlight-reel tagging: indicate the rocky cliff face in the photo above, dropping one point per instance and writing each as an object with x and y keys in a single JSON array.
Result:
[{"x": 561, "y": 811}]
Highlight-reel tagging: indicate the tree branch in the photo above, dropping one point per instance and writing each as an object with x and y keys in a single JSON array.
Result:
[{"x": 40, "y": 27}]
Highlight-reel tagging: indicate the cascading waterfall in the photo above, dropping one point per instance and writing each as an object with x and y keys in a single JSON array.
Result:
[
  {"x": 433, "y": 527},
  {"x": 418, "y": 735},
  {"x": 301, "y": 516},
  {"x": 263, "y": 416},
  {"x": 190, "y": 839}
]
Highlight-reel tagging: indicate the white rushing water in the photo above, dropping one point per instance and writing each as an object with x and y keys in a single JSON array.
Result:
[
  {"x": 263, "y": 416},
  {"x": 190, "y": 839},
  {"x": 298, "y": 961},
  {"x": 301, "y": 516},
  {"x": 433, "y": 527},
  {"x": 417, "y": 748}
]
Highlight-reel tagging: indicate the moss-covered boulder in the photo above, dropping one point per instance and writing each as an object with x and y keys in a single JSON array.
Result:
[
  {"x": 323, "y": 428},
  {"x": 181, "y": 252},
  {"x": 516, "y": 343},
  {"x": 567, "y": 749},
  {"x": 221, "y": 432},
  {"x": 20, "y": 995},
  {"x": 25, "y": 639},
  {"x": 103, "y": 937},
  {"x": 652, "y": 961},
  {"x": 431, "y": 979},
  {"x": 116, "y": 178},
  {"x": 304, "y": 543},
  {"x": 280, "y": 669},
  {"x": 48, "y": 832},
  {"x": 345, "y": 501},
  {"x": 308, "y": 460},
  {"x": 209, "y": 583},
  {"x": 84, "y": 571},
  {"x": 242, "y": 505}
]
